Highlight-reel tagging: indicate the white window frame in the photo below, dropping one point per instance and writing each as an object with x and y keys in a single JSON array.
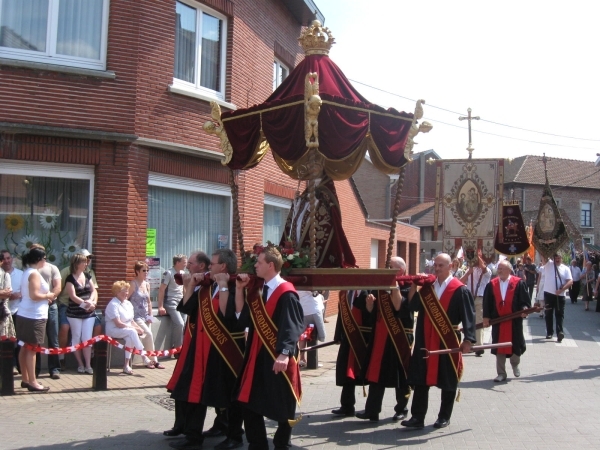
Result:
[
  {"x": 53, "y": 170},
  {"x": 187, "y": 184},
  {"x": 50, "y": 56},
  {"x": 587, "y": 202},
  {"x": 588, "y": 236},
  {"x": 194, "y": 89},
  {"x": 278, "y": 202},
  {"x": 277, "y": 65}
]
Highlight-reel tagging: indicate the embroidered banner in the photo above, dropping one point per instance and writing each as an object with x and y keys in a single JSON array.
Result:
[
  {"x": 513, "y": 239},
  {"x": 549, "y": 233}
]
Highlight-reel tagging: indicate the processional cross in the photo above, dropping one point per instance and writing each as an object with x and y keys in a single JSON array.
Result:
[
  {"x": 545, "y": 160},
  {"x": 469, "y": 118}
]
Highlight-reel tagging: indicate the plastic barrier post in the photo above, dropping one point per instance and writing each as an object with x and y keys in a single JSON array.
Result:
[
  {"x": 100, "y": 356},
  {"x": 7, "y": 379},
  {"x": 312, "y": 357}
]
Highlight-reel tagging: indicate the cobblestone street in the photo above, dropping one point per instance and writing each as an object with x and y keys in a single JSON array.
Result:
[{"x": 553, "y": 404}]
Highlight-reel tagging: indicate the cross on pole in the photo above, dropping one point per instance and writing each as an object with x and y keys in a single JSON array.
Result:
[
  {"x": 545, "y": 160},
  {"x": 469, "y": 118}
]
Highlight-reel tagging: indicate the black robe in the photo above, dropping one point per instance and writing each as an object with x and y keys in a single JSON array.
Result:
[
  {"x": 391, "y": 374},
  {"x": 219, "y": 380},
  {"x": 271, "y": 395},
  {"x": 520, "y": 301},
  {"x": 460, "y": 309},
  {"x": 341, "y": 365}
]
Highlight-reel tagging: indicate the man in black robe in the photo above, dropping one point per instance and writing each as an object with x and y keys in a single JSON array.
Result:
[
  {"x": 423, "y": 372},
  {"x": 348, "y": 371},
  {"x": 264, "y": 387},
  {"x": 202, "y": 378},
  {"x": 383, "y": 367},
  {"x": 505, "y": 295}
]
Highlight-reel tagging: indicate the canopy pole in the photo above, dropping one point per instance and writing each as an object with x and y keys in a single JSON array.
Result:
[
  {"x": 313, "y": 222},
  {"x": 399, "y": 187},
  {"x": 237, "y": 224}
]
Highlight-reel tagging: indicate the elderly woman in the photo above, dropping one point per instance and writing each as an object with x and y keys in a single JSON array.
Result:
[
  {"x": 32, "y": 316},
  {"x": 139, "y": 296},
  {"x": 456, "y": 270},
  {"x": 80, "y": 311},
  {"x": 119, "y": 321}
]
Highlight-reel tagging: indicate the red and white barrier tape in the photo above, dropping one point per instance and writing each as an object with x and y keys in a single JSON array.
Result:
[
  {"x": 307, "y": 333},
  {"x": 102, "y": 337}
]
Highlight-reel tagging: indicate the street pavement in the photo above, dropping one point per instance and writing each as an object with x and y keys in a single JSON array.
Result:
[{"x": 554, "y": 404}]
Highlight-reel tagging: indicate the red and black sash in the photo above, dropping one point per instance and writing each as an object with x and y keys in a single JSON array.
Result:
[
  {"x": 218, "y": 334},
  {"x": 388, "y": 325},
  {"x": 504, "y": 308},
  {"x": 439, "y": 331},
  {"x": 200, "y": 356},
  {"x": 351, "y": 319},
  {"x": 266, "y": 330}
]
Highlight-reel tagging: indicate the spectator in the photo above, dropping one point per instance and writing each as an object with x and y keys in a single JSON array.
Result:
[
  {"x": 51, "y": 275},
  {"x": 169, "y": 295},
  {"x": 520, "y": 272},
  {"x": 139, "y": 296},
  {"x": 32, "y": 316},
  {"x": 312, "y": 306},
  {"x": 530, "y": 275},
  {"x": 456, "y": 269},
  {"x": 80, "y": 312},
  {"x": 119, "y": 321},
  {"x": 576, "y": 274},
  {"x": 15, "y": 297},
  {"x": 7, "y": 327}
]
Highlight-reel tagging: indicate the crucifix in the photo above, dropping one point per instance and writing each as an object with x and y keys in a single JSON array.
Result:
[
  {"x": 469, "y": 118},
  {"x": 545, "y": 160}
]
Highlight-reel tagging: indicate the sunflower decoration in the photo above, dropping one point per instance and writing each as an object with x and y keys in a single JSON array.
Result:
[
  {"x": 70, "y": 249},
  {"x": 14, "y": 222},
  {"x": 48, "y": 219},
  {"x": 26, "y": 242}
]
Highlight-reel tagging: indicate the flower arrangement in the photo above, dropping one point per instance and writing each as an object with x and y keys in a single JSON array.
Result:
[{"x": 292, "y": 259}]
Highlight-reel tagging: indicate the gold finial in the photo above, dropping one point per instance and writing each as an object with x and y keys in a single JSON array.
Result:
[{"x": 316, "y": 39}]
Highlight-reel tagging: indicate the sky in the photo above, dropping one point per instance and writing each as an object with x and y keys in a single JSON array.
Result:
[{"x": 529, "y": 64}]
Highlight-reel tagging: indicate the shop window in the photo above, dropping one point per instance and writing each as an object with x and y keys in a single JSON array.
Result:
[
  {"x": 51, "y": 211},
  {"x": 62, "y": 32},
  {"x": 200, "y": 43}
]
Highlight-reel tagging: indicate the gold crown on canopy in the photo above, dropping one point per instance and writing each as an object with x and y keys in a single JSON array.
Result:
[{"x": 316, "y": 39}]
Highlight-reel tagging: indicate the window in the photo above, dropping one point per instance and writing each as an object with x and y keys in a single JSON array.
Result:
[
  {"x": 586, "y": 214},
  {"x": 187, "y": 215},
  {"x": 62, "y": 32},
  {"x": 274, "y": 218},
  {"x": 200, "y": 49},
  {"x": 49, "y": 205},
  {"x": 280, "y": 73},
  {"x": 588, "y": 238}
]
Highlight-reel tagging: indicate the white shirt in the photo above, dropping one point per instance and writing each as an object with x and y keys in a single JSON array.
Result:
[
  {"x": 440, "y": 288},
  {"x": 310, "y": 305},
  {"x": 273, "y": 284},
  {"x": 33, "y": 309},
  {"x": 503, "y": 287},
  {"x": 575, "y": 273},
  {"x": 551, "y": 281},
  {"x": 15, "y": 280},
  {"x": 116, "y": 309},
  {"x": 474, "y": 279}
]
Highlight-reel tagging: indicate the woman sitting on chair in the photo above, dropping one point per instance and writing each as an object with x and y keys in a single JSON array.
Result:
[{"x": 120, "y": 323}]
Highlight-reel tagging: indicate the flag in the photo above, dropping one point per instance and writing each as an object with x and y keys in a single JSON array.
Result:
[
  {"x": 531, "y": 251},
  {"x": 550, "y": 233},
  {"x": 511, "y": 238},
  {"x": 585, "y": 254}
]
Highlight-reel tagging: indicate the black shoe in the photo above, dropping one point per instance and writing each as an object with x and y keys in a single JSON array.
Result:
[
  {"x": 55, "y": 375},
  {"x": 186, "y": 444},
  {"x": 548, "y": 336},
  {"x": 364, "y": 416},
  {"x": 441, "y": 423},
  {"x": 173, "y": 432},
  {"x": 479, "y": 352},
  {"x": 213, "y": 432},
  {"x": 399, "y": 416},
  {"x": 413, "y": 423},
  {"x": 229, "y": 444},
  {"x": 343, "y": 412},
  {"x": 560, "y": 337}
]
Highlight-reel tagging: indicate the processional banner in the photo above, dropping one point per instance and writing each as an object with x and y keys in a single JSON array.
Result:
[
  {"x": 550, "y": 233},
  {"x": 511, "y": 239},
  {"x": 469, "y": 191}
]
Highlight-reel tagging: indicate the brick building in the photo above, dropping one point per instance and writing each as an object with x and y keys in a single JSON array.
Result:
[{"x": 101, "y": 129}]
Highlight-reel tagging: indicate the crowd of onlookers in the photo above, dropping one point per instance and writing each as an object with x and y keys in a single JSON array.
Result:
[{"x": 41, "y": 302}]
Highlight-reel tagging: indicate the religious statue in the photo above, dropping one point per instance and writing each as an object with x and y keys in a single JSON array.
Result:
[
  {"x": 312, "y": 108},
  {"x": 218, "y": 129}
]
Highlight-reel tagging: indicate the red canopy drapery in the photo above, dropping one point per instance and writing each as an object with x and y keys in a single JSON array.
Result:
[{"x": 348, "y": 126}]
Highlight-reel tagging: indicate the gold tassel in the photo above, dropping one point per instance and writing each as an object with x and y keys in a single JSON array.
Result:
[
  {"x": 364, "y": 391},
  {"x": 294, "y": 422},
  {"x": 458, "y": 396}
]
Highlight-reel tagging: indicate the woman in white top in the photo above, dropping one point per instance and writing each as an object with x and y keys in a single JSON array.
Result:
[
  {"x": 312, "y": 306},
  {"x": 119, "y": 321},
  {"x": 32, "y": 316}
]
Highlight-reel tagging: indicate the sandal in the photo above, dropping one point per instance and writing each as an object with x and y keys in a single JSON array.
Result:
[
  {"x": 81, "y": 369},
  {"x": 150, "y": 365},
  {"x": 127, "y": 370},
  {"x": 89, "y": 370},
  {"x": 158, "y": 365}
]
